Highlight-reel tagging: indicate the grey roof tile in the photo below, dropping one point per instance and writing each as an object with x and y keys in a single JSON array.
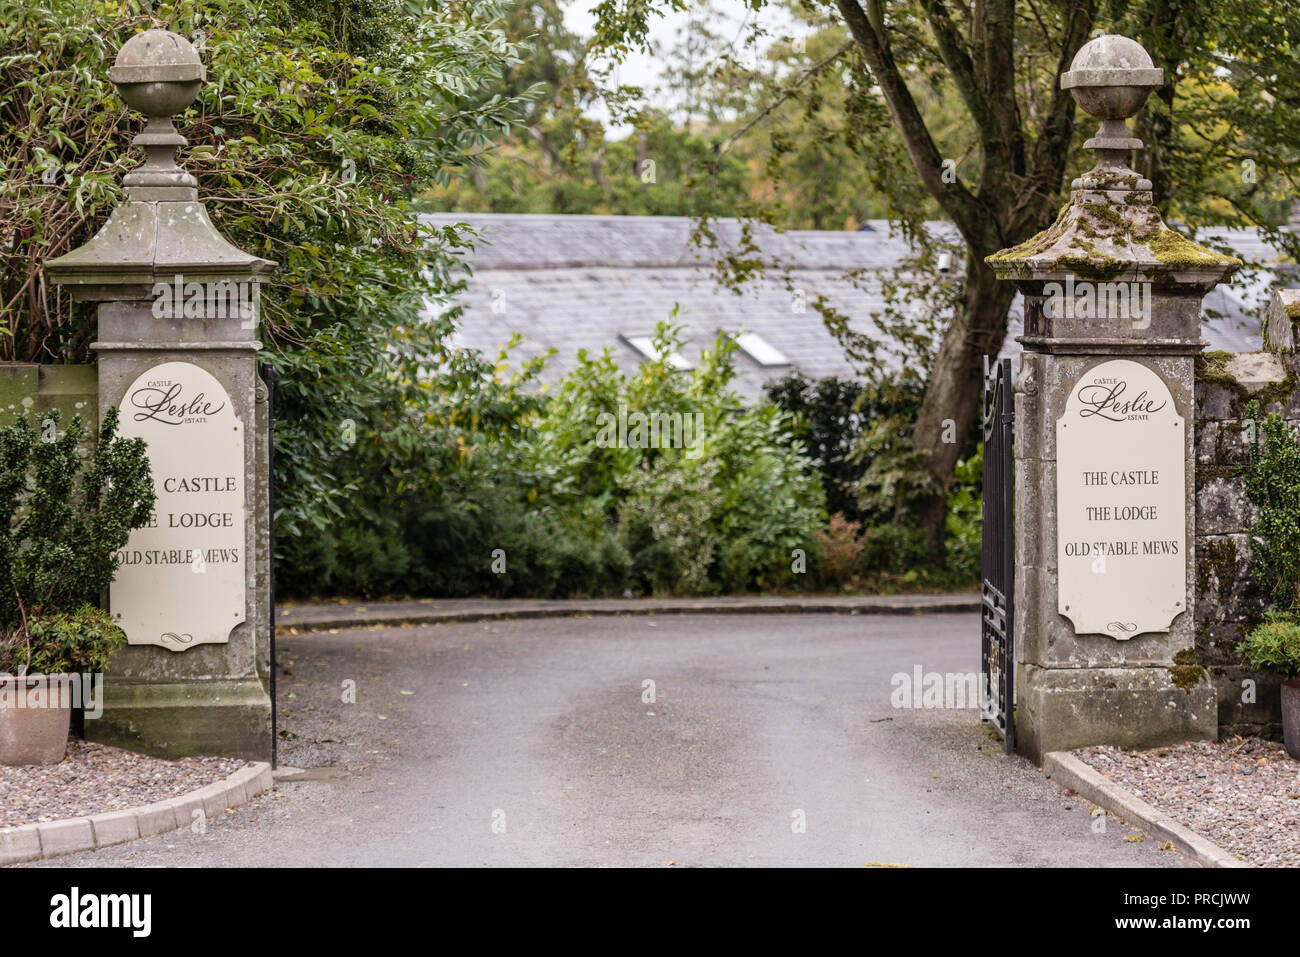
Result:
[{"x": 571, "y": 282}]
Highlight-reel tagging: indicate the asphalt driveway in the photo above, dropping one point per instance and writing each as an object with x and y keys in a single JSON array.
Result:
[{"x": 770, "y": 740}]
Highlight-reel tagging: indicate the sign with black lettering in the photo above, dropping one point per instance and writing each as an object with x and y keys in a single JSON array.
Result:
[
  {"x": 1121, "y": 503},
  {"x": 181, "y": 579}
]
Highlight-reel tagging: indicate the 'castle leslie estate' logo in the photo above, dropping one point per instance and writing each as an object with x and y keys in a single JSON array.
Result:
[
  {"x": 163, "y": 401},
  {"x": 1113, "y": 400}
]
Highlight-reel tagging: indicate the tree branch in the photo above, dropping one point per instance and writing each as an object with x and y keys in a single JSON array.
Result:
[
  {"x": 1052, "y": 144},
  {"x": 962, "y": 69},
  {"x": 955, "y": 199},
  {"x": 785, "y": 95},
  {"x": 1000, "y": 77}
]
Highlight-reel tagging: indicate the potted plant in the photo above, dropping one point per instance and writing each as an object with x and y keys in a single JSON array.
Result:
[
  {"x": 45, "y": 670},
  {"x": 1272, "y": 483},
  {"x": 58, "y": 541},
  {"x": 1274, "y": 647}
]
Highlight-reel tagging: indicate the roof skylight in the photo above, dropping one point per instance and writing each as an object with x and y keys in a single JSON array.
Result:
[
  {"x": 760, "y": 350},
  {"x": 646, "y": 346}
]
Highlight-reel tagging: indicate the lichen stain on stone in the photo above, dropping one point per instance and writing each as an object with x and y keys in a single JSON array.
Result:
[
  {"x": 1125, "y": 227},
  {"x": 1216, "y": 562}
]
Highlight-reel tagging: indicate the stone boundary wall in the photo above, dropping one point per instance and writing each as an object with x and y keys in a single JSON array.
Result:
[
  {"x": 28, "y": 387},
  {"x": 1228, "y": 603}
]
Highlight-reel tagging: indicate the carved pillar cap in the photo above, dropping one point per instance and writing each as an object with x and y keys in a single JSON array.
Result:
[
  {"x": 1112, "y": 230},
  {"x": 158, "y": 73},
  {"x": 1111, "y": 78},
  {"x": 162, "y": 232}
]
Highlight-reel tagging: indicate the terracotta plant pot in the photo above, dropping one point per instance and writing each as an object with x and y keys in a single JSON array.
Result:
[
  {"x": 1291, "y": 716},
  {"x": 35, "y": 712}
]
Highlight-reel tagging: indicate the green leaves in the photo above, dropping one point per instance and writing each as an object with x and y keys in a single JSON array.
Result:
[
  {"x": 1274, "y": 646},
  {"x": 480, "y": 459},
  {"x": 58, "y": 537},
  {"x": 1273, "y": 485},
  {"x": 78, "y": 641},
  {"x": 722, "y": 513},
  {"x": 320, "y": 119}
]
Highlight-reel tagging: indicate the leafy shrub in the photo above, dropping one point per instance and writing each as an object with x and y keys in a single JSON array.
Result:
[
  {"x": 1274, "y": 646},
  {"x": 829, "y": 413},
  {"x": 724, "y": 513},
  {"x": 859, "y": 436},
  {"x": 897, "y": 550},
  {"x": 899, "y": 553},
  {"x": 841, "y": 548},
  {"x": 58, "y": 537},
  {"x": 1273, "y": 485},
  {"x": 82, "y": 641},
  {"x": 964, "y": 521},
  {"x": 486, "y": 461},
  {"x": 666, "y": 525}
]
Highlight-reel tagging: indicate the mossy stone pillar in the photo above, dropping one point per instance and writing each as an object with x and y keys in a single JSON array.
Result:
[
  {"x": 1104, "y": 465},
  {"x": 177, "y": 353}
]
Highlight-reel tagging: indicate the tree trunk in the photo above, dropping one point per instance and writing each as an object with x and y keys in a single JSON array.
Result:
[{"x": 954, "y": 392}]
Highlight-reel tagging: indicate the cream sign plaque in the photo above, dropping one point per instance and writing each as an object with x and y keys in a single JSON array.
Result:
[
  {"x": 180, "y": 580},
  {"x": 1120, "y": 503}
]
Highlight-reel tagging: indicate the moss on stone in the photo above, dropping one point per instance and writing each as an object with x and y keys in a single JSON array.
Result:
[
  {"x": 1207, "y": 474},
  {"x": 1022, "y": 251},
  {"x": 1292, "y": 309},
  {"x": 1173, "y": 249},
  {"x": 1212, "y": 367},
  {"x": 1185, "y": 673},
  {"x": 1226, "y": 448},
  {"x": 1096, "y": 270},
  {"x": 1121, "y": 226},
  {"x": 1277, "y": 391},
  {"x": 1108, "y": 213}
]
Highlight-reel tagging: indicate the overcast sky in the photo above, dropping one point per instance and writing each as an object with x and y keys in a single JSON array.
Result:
[
  {"x": 638, "y": 69},
  {"x": 646, "y": 70}
]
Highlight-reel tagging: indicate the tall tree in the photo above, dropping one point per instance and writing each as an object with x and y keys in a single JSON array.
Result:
[
  {"x": 1000, "y": 175},
  {"x": 320, "y": 120}
]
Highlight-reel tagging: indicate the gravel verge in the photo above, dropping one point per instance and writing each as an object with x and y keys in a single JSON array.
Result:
[
  {"x": 95, "y": 778},
  {"x": 1243, "y": 794}
]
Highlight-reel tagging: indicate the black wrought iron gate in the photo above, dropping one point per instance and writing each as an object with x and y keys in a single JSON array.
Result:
[
  {"x": 997, "y": 593},
  {"x": 267, "y": 372}
]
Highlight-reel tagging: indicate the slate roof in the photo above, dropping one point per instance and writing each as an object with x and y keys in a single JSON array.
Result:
[{"x": 571, "y": 282}]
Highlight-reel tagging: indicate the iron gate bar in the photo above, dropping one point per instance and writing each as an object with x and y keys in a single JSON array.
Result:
[
  {"x": 997, "y": 555},
  {"x": 267, "y": 372}
]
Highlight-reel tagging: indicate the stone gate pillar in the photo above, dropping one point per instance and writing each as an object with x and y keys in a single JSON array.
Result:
[
  {"x": 177, "y": 353},
  {"x": 1104, "y": 485}
]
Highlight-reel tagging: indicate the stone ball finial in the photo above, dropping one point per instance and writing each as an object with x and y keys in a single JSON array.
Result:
[
  {"x": 1111, "y": 77},
  {"x": 158, "y": 73}
]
